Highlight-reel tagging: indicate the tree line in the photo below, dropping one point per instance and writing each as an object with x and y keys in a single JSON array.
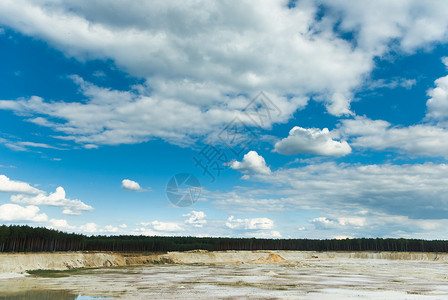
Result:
[{"x": 16, "y": 238}]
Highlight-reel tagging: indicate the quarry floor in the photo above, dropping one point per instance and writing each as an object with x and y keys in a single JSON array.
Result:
[{"x": 260, "y": 277}]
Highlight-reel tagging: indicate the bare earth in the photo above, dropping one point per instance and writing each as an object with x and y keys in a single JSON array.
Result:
[{"x": 230, "y": 275}]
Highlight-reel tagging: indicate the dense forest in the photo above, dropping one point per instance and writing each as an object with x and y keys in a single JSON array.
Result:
[{"x": 28, "y": 239}]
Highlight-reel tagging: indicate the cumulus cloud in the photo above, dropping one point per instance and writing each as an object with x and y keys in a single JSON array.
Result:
[
  {"x": 325, "y": 223},
  {"x": 294, "y": 57},
  {"x": 297, "y": 55},
  {"x": 417, "y": 140},
  {"x": 11, "y": 186},
  {"x": 131, "y": 185},
  {"x": 438, "y": 103},
  {"x": 58, "y": 198},
  {"x": 252, "y": 163},
  {"x": 196, "y": 218},
  {"x": 110, "y": 228},
  {"x": 249, "y": 224},
  {"x": 410, "y": 24},
  {"x": 13, "y": 212},
  {"x": 166, "y": 226},
  {"x": 311, "y": 141},
  {"x": 429, "y": 138},
  {"x": 264, "y": 234},
  {"x": 60, "y": 224},
  {"x": 89, "y": 227}
]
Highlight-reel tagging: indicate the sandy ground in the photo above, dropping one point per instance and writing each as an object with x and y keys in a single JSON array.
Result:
[
  {"x": 13, "y": 264},
  {"x": 314, "y": 278}
]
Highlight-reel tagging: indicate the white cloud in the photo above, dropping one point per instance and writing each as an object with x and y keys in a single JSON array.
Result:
[
  {"x": 110, "y": 228},
  {"x": 264, "y": 234},
  {"x": 252, "y": 163},
  {"x": 70, "y": 207},
  {"x": 295, "y": 56},
  {"x": 89, "y": 227},
  {"x": 123, "y": 226},
  {"x": 249, "y": 224},
  {"x": 166, "y": 226},
  {"x": 147, "y": 232},
  {"x": 409, "y": 24},
  {"x": 393, "y": 83},
  {"x": 130, "y": 185},
  {"x": 311, "y": 141},
  {"x": 14, "y": 212},
  {"x": 196, "y": 218},
  {"x": 60, "y": 224},
  {"x": 325, "y": 223},
  {"x": 10, "y": 186},
  {"x": 417, "y": 190},
  {"x": 24, "y": 146},
  {"x": 352, "y": 221},
  {"x": 438, "y": 103},
  {"x": 417, "y": 140},
  {"x": 342, "y": 237}
]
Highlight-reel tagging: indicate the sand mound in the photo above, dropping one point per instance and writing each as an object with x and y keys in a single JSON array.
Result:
[{"x": 271, "y": 259}]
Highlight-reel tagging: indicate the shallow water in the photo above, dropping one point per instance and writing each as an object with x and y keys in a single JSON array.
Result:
[{"x": 314, "y": 279}]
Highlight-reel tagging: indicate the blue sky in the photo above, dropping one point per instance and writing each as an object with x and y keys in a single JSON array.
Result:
[{"x": 101, "y": 104}]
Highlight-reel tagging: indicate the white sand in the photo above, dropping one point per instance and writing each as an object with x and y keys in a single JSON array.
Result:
[{"x": 331, "y": 276}]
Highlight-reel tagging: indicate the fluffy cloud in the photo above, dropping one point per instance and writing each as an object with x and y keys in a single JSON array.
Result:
[
  {"x": 409, "y": 24},
  {"x": 110, "y": 228},
  {"x": 311, "y": 141},
  {"x": 297, "y": 54},
  {"x": 10, "y": 186},
  {"x": 438, "y": 103},
  {"x": 60, "y": 224},
  {"x": 130, "y": 185},
  {"x": 430, "y": 138},
  {"x": 166, "y": 226},
  {"x": 70, "y": 207},
  {"x": 196, "y": 218},
  {"x": 251, "y": 224},
  {"x": 417, "y": 140},
  {"x": 294, "y": 57},
  {"x": 13, "y": 212},
  {"x": 252, "y": 163},
  {"x": 89, "y": 228},
  {"x": 264, "y": 234},
  {"x": 325, "y": 223}
]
